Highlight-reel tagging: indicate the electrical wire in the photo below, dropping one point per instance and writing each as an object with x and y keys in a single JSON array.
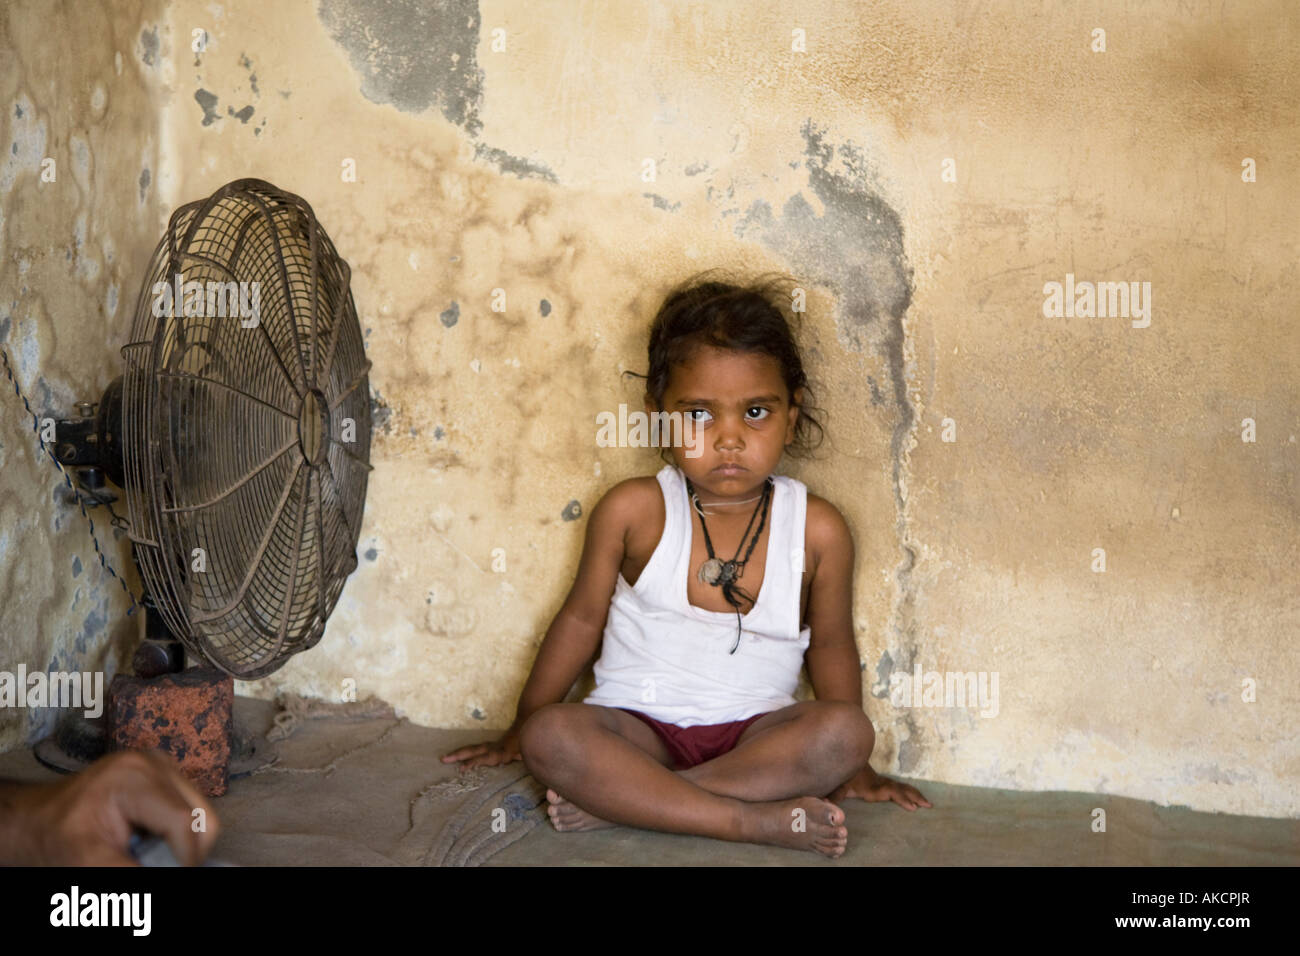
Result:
[{"x": 117, "y": 520}]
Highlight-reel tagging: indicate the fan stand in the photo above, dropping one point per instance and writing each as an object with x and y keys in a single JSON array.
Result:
[{"x": 186, "y": 713}]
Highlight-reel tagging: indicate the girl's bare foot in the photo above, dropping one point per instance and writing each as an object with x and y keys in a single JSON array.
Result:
[
  {"x": 804, "y": 823},
  {"x": 566, "y": 816}
]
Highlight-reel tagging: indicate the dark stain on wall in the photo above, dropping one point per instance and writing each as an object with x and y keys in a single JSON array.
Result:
[
  {"x": 93, "y": 631},
  {"x": 380, "y": 413},
  {"x": 247, "y": 64},
  {"x": 856, "y": 248},
  {"x": 513, "y": 165},
  {"x": 662, "y": 203},
  {"x": 208, "y": 102},
  {"x": 149, "y": 46},
  {"x": 420, "y": 54},
  {"x": 413, "y": 54}
]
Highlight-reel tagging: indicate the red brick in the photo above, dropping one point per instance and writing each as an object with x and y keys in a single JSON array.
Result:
[{"x": 186, "y": 716}]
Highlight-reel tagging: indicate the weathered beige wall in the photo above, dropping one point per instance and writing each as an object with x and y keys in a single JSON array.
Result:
[
  {"x": 78, "y": 86},
  {"x": 522, "y": 170}
]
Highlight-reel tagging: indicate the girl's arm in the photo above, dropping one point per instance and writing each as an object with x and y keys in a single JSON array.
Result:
[
  {"x": 834, "y": 668},
  {"x": 573, "y": 639}
]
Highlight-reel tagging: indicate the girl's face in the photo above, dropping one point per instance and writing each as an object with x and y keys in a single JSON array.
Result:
[{"x": 736, "y": 411}]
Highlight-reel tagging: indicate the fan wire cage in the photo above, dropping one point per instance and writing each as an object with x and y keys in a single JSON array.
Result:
[{"x": 246, "y": 428}]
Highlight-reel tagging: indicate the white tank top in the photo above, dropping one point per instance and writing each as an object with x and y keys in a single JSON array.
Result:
[{"x": 672, "y": 661}]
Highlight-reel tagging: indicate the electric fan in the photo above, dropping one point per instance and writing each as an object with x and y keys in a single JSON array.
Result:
[{"x": 240, "y": 433}]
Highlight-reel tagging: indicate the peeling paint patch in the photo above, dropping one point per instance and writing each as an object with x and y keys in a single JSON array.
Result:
[
  {"x": 572, "y": 511},
  {"x": 149, "y": 46},
  {"x": 513, "y": 165},
  {"x": 544, "y": 308},
  {"x": 95, "y": 626},
  {"x": 81, "y": 161},
  {"x": 243, "y": 115},
  {"x": 412, "y": 54},
  {"x": 208, "y": 102},
  {"x": 87, "y": 267},
  {"x": 662, "y": 203},
  {"x": 856, "y": 248},
  {"x": 909, "y": 754},
  {"x": 450, "y": 315},
  {"x": 876, "y": 397},
  {"x": 27, "y": 352},
  {"x": 29, "y": 138},
  {"x": 247, "y": 64},
  {"x": 884, "y": 668},
  {"x": 144, "y": 181},
  {"x": 380, "y": 413}
]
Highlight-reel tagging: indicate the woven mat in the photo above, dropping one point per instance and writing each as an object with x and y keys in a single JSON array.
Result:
[{"x": 497, "y": 807}]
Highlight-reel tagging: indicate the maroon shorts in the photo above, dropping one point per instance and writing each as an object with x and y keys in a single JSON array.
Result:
[{"x": 695, "y": 745}]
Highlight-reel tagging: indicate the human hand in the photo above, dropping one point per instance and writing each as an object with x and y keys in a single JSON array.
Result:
[
  {"x": 87, "y": 819},
  {"x": 505, "y": 750},
  {"x": 874, "y": 788}
]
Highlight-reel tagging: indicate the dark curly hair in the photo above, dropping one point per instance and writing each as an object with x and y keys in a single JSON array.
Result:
[{"x": 740, "y": 316}]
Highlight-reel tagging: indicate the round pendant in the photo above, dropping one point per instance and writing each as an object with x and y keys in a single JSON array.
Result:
[
  {"x": 728, "y": 572},
  {"x": 710, "y": 571}
]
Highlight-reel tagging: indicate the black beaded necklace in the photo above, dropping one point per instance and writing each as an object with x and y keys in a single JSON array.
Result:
[{"x": 724, "y": 573}]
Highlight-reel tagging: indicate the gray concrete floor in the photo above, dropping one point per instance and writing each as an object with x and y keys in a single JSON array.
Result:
[{"x": 348, "y": 792}]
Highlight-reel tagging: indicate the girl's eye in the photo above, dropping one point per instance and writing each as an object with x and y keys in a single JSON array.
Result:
[{"x": 763, "y": 413}]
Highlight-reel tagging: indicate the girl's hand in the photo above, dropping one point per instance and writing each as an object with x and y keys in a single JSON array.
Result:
[
  {"x": 872, "y": 787},
  {"x": 505, "y": 750}
]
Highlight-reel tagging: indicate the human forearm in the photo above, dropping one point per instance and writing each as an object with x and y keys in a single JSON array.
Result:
[
  {"x": 567, "y": 649},
  {"x": 835, "y": 672},
  {"x": 86, "y": 819},
  {"x": 18, "y": 831}
]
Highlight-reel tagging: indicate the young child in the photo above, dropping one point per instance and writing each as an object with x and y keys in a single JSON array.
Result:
[{"x": 705, "y": 588}]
